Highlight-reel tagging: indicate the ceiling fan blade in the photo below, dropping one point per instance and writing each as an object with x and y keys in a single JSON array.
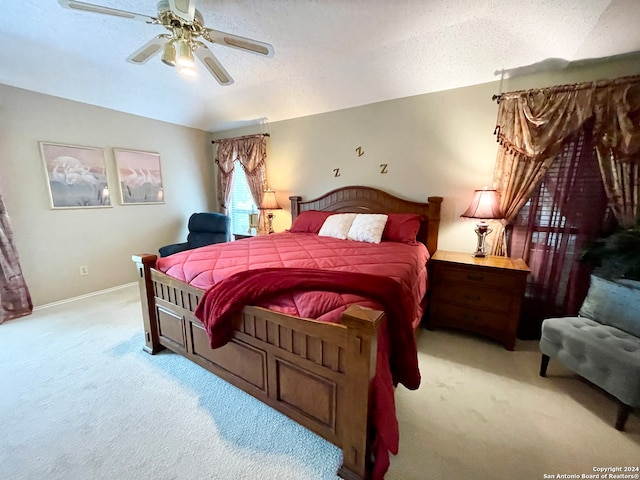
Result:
[
  {"x": 90, "y": 7},
  {"x": 148, "y": 50},
  {"x": 213, "y": 65},
  {"x": 185, "y": 9},
  {"x": 236, "y": 41}
]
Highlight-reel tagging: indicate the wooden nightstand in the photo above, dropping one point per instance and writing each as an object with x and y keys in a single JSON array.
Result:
[
  {"x": 240, "y": 236},
  {"x": 480, "y": 295}
]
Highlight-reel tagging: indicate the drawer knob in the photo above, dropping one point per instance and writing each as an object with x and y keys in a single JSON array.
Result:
[
  {"x": 473, "y": 298},
  {"x": 469, "y": 316},
  {"x": 475, "y": 278}
]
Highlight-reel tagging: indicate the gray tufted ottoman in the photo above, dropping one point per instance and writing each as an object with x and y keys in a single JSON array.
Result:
[{"x": 602, "y": 344}]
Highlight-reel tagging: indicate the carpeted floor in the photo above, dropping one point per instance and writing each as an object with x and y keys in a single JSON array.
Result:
[{"x": 79, "y": 399}]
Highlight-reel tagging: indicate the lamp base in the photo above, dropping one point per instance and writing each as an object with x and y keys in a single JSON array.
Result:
[
  {"x": 482, "y": 229},
  {"x": 270, "y": 222},
  {"x": 254, "y": 223}
]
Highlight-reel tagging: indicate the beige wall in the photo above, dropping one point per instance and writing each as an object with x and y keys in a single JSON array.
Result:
[
  {"x": 434, "y": 144},
  {"x": 53, "y": 243}
]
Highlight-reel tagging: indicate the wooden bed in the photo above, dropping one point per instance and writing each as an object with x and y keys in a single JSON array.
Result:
[{"x": 318, "y": 374}]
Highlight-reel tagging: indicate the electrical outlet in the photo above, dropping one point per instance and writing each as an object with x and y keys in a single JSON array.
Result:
[{"x": 84, "y": 270}]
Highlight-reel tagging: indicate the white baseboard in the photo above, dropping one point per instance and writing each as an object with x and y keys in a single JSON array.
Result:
[{"x": 86, "y": 295}]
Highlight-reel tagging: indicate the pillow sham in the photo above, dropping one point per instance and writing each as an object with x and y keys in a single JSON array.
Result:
[
  {"x": 309, "y": 221},
  {"x": 402, "y": 227},
  {"x": 337, "y": 225},
  {"x": 367, "y": 227}
]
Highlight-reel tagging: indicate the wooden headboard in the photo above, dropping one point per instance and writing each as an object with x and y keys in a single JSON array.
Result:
[{"x": 356, "y": 199}]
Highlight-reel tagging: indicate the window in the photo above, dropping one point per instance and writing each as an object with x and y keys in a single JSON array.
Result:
[{"x": 242, "y": 203}]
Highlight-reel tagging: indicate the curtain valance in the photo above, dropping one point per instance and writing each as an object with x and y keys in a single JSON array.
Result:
[
  {"x": 534, "y": 123},
  {"x": 533, "y": 126}
]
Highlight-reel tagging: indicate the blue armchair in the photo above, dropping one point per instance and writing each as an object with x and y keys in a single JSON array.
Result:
[
  {"x": 204, "y": 229},
  {"x": 602, "y": 344}
]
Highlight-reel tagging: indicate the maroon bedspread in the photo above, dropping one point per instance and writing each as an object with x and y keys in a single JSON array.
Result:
[
  {"x": 397, "y": 360},
  {"x": 204, "y": 267}
]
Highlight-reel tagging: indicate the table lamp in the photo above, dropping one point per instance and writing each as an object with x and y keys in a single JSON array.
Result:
[
  {"x": 484, "y": 206},
  {"x": 269, "y": 203}
]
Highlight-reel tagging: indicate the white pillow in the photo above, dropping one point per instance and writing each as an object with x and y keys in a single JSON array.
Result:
[
  {"x": 367, "y": 227},
  {"x": 337, "y": 225}
]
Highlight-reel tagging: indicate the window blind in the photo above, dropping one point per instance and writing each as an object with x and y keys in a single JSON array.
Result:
[{"x": 241, "y": 204}]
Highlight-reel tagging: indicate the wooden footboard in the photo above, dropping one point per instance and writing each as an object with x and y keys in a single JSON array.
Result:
[{"x": 318, "y": 374}]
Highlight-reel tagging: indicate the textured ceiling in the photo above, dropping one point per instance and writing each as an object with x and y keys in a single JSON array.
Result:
[{"x": 329, "y": 54}]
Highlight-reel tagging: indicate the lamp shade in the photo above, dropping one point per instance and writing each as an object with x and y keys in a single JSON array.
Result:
[
  {"x": 269, "y": 201},
  {"x": 484, "y": 205}
]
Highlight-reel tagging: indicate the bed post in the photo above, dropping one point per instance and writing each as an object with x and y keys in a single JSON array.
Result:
[
  {"x": 145, "y": 262},
  {"x": 434, "y": 223},
  {"x": 360, "y": 364},
  {"x": 295, "y": 206}
]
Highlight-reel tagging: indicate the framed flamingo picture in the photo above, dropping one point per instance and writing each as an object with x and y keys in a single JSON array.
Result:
[
  {"x": 140, "y": 177},
  {"x": 76, "y": 176}
]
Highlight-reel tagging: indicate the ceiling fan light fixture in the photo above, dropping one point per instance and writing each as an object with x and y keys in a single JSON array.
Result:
[
  {"x": 184, "y": 57},
  {"x": 169, "y": 54},
  {"x": 182, "y": 44},
  {"x": 187, "y": 71}
]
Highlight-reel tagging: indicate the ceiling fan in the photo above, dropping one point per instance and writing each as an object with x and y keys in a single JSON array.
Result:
[{"x": 186, "y": 29}]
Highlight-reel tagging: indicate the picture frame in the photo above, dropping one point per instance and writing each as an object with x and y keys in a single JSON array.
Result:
[
  {"x": 139, "y": 177},
  {"x": 76, "y": 176}
]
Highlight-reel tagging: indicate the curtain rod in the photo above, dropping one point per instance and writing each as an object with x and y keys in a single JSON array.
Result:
[
  {"x": 240, "y": 138},
  {"x": 596, "y": 84}
]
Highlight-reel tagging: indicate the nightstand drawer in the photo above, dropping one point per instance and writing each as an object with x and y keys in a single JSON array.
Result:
[
  {"x": 466, "y": 318},
  {"x": 476, "y": 277},
  {"x": 494, "y": 300}
]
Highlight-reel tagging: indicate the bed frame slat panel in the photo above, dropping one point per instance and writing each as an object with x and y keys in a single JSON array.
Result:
[
  {"x": 299, "y": 344},
  {"x": 170, "y": 326},
  {"x": 286, "y": 338},
  {"x": 311, "y": 395},
  {"x": 244, "y": 361}
]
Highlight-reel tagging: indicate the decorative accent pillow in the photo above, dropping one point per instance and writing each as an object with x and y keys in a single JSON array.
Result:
[
  {"x": 402, "y": 227},
  {"x": 613, "y": 303},
  {"x": 337, "y": 225},
  {"x": 367, "y": 227},
  {"x": 309, "y": 221}
]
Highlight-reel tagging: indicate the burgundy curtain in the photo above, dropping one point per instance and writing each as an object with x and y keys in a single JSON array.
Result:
[
  {"x": 566, "y": 210},
  {"x": 15, "y": 300}
]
